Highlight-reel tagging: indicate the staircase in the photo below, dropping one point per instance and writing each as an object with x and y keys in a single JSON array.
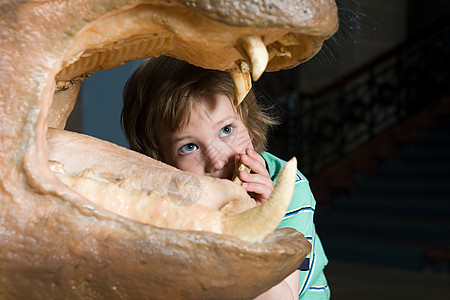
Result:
[{"x": 397, "y": 212}]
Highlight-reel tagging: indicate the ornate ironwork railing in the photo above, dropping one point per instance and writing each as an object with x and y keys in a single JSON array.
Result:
[{"x": 344, "y": 115}]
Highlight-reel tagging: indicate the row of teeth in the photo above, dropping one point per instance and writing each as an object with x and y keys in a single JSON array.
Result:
[
  {"x": 88, "y": 173},
  {"x": 129, "y": 201},
  {"x": 126, "y": 184},
  {"x": 256, "y": 57},
  {"x": 150, "y": 207}
]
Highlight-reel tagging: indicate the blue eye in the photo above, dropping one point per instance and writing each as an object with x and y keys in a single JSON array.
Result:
[
  {"x": 188, "y": 148},
  {"x": 227, "y": 130}
]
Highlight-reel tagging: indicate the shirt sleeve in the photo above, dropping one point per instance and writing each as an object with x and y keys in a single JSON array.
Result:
[{"x": 300, "y": 216}]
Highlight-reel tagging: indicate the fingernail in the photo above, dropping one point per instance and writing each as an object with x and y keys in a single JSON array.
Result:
[
  {"x": 249, "y": 150},
  {"x": 242, "y": 174}
]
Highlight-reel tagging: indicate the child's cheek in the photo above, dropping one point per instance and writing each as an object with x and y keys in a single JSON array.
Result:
[
  {"x": 183, "y": 163},
  {"x": 242, "y": 142},
  {"x": 194, "y": 163}
]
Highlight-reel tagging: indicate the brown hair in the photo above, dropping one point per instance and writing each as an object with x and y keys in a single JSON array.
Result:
[{"x": 160, "y": 94}]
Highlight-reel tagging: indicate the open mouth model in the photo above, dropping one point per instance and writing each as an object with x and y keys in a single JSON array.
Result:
[{"x": 75, "y": 231}]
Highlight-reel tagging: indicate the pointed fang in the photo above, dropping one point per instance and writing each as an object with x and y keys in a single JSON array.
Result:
[{"x": 255, "y": 224}]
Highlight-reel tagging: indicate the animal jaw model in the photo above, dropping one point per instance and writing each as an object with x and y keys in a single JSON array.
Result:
[{"x": 59, "y": 241}]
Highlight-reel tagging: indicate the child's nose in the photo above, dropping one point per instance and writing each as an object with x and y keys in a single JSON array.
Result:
[{"x": 217, "y": 158}]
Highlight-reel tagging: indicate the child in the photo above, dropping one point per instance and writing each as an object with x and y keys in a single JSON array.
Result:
[{"x": 184, "y": 116}]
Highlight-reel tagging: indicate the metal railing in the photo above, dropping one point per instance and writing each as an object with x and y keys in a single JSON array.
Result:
[{"x": 351, "y": 111}]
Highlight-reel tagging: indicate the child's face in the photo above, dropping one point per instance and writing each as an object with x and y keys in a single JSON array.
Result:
[{"x": 208, "y": 144}]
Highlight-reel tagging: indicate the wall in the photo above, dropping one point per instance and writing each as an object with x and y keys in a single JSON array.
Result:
[{"x": 101, "y": 104}]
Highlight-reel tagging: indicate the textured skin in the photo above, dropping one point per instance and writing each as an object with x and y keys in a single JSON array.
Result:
[
  {"x": 312, "y": 17},
  {"x": 54, "y": 244}
]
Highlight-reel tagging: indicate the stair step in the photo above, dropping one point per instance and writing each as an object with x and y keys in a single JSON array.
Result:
[
  {"x": 371, "y": 185},
  {"x": 398, "y": 169},
  {"x": 433, "y": 135},
  {"x": 438, "y": 147},
  {"x": 389, "y": 206},
  {"x": 374, "y": 251},
  {"x": 444, "y": 121},
  {"x": 412, "y": 155},
  {"x": 437, "y": 260},
  {"x": 404, "y": 229},
  {"x": 399, "y": 162},
  {"x": 394, "y": 242},
  {"x": 427, "y": 149},
  {"x": 399, "y": 216}
]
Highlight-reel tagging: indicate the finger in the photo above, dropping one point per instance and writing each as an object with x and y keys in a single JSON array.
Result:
[
  {"x": 262, "y": 191},
  {"x": 262, "y": 186},
  {"x": 254, "y": 163},
  {"x": 252, "y": 153},
  {"x": 256, "y": 178}
]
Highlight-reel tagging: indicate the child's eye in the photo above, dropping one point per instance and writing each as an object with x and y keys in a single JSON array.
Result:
[
  {"x": 227, "y": 130},
  {"x": 188, "y": 148}
]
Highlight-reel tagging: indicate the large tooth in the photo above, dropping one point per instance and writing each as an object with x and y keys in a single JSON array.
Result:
[
  {"x": 253, "y": 50},
  {"x": 242, "y": 81},
  {"x": 256, "y": 224}
]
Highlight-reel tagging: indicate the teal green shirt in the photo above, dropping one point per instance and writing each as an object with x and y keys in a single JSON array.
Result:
[{"x": 300, "y": 216}]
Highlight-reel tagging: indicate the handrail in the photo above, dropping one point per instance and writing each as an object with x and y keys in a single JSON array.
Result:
[{"x": 327, "y": 124}]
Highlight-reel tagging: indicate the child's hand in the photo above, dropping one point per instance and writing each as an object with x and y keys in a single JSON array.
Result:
[{"x": 258, "y": 183}]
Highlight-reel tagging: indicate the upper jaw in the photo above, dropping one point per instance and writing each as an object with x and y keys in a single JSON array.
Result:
[{"x": 151, "y": 30}]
